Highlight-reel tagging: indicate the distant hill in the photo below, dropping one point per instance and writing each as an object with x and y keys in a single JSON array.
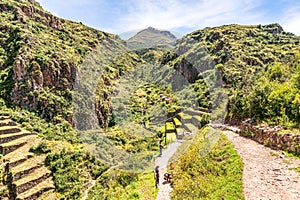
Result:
[
  {"x": 151, "y": 37},
  {"x": 128, "y": 34}
]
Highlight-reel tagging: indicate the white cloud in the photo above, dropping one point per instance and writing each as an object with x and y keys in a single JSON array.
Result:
[
  {"x": 171, "y": 14},
  {"x": 183, "y": 15},
  {"x": 291, "y": 21}
]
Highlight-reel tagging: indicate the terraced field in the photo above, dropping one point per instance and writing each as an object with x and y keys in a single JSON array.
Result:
[
  {"x": 185, "y": 123},
  {"x": 23, "y": 173}
]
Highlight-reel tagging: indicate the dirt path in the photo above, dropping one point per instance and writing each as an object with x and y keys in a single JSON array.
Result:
[
  {"x": 162, "y": 162},
  {"x": 86, "y": 192},
  {"x": 267, "y": 173}
]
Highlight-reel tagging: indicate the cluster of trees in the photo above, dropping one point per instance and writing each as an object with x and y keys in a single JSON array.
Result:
[{"x": 274, "y": 97}]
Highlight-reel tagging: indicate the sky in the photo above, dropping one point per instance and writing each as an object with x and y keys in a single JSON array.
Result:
[{"x": 182, "y": 16}]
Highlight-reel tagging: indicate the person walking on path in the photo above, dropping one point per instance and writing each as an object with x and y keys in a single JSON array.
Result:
[
  {"x": 156, "y": 176},
  {"x": 160, "y": 148}
]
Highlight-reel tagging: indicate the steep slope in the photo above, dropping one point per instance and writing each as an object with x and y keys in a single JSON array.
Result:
[
  {"x": 151, "y": 37},
  {"x": 40, "y": 55},
  {"x": 24, "y": 174},
  {"x": 240, "y": 54},
  {"x": 47, "y": 65}
]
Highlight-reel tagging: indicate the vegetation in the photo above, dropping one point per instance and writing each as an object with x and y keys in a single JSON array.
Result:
[
  {"x": 252, "y": 62},
  {"x": 151, "y": 95},
  {"x": 40, "y": 55},
  {"x": 275, "y": 96},
  {"x": 202, "y": 173},
  {"x": 124, "y": 185},
  {"x": 123, "y": 147},
  {"x": 72, "y": 171},
  {"x": 151, "y": 55},
  {"x": 59, "y": 129},
  {"x": 57, "y": 75}
]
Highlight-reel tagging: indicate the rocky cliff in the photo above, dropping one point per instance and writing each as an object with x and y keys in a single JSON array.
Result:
[{"x": 40, "y": 55}]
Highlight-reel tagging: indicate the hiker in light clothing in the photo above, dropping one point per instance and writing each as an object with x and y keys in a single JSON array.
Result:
[{"x": 160, "y": 148}]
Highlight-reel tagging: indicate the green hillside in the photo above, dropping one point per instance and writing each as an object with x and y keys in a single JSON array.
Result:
[
  {"x": 64, "y": 88},
  {"x": 48, "y": 66},
  {"x": 200, "y": 174},
  {"x": 244, "y": 56},
  {"x": 41, "y": 55}
]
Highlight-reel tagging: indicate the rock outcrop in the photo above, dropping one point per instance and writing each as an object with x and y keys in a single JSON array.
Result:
[{"x": 43, "y": 54}]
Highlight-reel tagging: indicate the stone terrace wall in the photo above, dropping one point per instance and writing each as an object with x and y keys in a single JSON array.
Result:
[{"x": 271, "y": 137}]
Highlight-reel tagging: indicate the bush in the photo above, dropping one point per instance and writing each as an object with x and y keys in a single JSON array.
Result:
[
  {"x": 42, "y": 148},
  {"x": 72, "y": 170}
]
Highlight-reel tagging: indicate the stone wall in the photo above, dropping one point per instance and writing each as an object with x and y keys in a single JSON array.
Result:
[{"x": 271, "y": 136}]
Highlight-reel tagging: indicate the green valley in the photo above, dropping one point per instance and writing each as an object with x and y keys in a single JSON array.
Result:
[{"x": 84, "y": 114}]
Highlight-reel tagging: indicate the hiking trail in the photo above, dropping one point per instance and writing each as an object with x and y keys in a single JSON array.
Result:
[
  {"x": 164, "y": 189},
  {"x": 267, "y": 174}
]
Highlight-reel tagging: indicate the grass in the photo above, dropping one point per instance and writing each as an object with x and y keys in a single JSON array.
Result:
[
  {"x": 184, "y": 116},
  {"x": 198, "y": 118},
  {"x": 293, "y": 155},
  {"x": 22, "y": 132},
  {"x": 191, "y": 127},
  {"x": 274, "y": 153},
  {"x": 286, "y": 153},
  {"x": 23, "y": 153},
  {"x": 124, "y": 185},
  {"x": 7, "y": 127},
  {"x": 171, "y": 137},
  {"x": 72, "y": 170},
  {"x": 216, "y": 175},
  {"x": 177, "y": 122},
  {"x": 19, "y": 141},
  {"x": 170, "y": 126},
  {"x": 48, "y": 130},
  {"x": 144, "y": 188}
]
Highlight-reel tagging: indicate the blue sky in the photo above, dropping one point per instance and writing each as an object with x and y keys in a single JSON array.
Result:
[{"x": 183, "y": 16}]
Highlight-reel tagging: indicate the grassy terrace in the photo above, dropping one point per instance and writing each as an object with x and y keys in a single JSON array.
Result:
[
  {"x": 177, "y": 122},
  {"x": 184, "y": 116},
  {"x": 32, "y": 162},
  {"x": 43, "y": 186},
  {"x": 170, "y": 127}
]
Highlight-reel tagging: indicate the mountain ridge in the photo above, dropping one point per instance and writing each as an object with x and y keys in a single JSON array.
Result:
[
  {"x": 42, "y": 57},
  {"x": 151, "y": 37}
]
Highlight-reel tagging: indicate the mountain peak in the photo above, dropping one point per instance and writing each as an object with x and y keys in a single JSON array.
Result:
[
  {"x": 151, "y": 37},
  {"x": 150, "y": 28}
]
